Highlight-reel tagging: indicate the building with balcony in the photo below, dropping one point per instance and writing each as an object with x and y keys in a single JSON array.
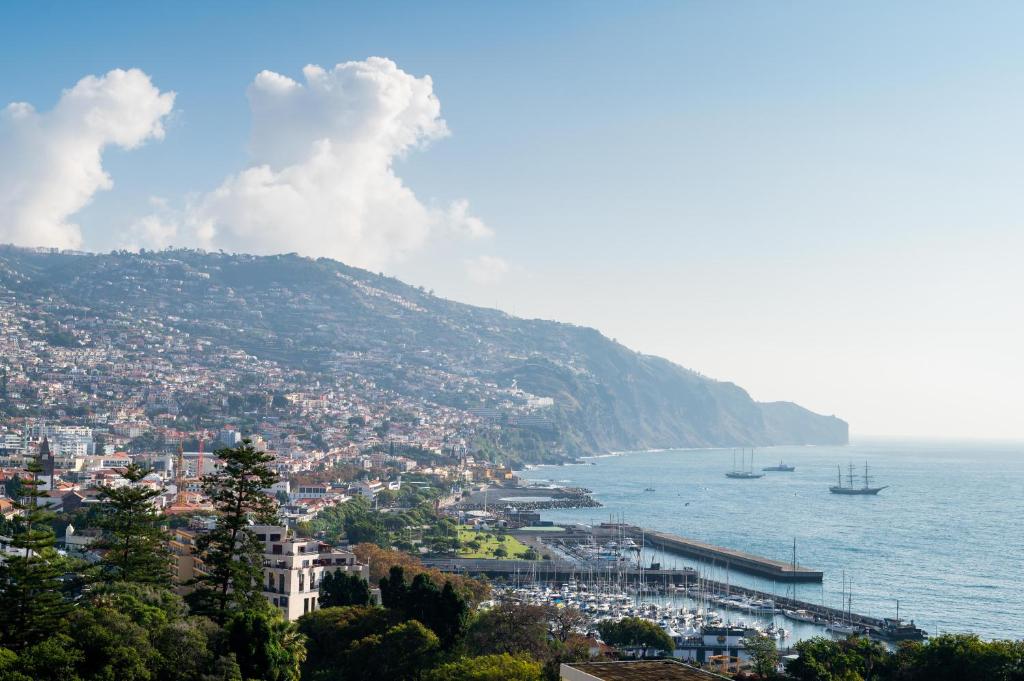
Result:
[{"x": 292, "y": 567}]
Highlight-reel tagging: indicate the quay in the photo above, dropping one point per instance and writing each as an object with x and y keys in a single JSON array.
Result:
[
  {"x": 777, "y": 570},
  {"x": 561, "y": 571}
]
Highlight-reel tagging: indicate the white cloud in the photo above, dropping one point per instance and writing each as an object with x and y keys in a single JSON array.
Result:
[
  {"x": 460, "y": 222},
  {"x": 322, "y": 181},
  {"x": 156, "y": 230},
  {"x": 486, "y": 269},
  {"x": 51, "y": 162}
]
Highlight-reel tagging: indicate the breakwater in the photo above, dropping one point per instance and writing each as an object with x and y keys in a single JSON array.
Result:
[{"x": 731, "y": 559}]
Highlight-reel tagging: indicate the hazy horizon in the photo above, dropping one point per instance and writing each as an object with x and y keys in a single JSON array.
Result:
[{"x": 819, "y": 204}]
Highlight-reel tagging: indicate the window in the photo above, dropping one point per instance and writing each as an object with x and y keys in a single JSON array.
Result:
[
  {"x": 302, "y": 581},
  {"x": 280, "y": 583},
  {"x": 276, "y": 550},
  {"x": 305, "y": 605},
  {"x": 261, "y": 537},
  {"x": 275, "y": 537}
]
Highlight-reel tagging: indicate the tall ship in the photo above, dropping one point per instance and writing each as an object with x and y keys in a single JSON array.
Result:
[
  {"x": 741, "y": 473},
  {"x": 850, "y": 488}
]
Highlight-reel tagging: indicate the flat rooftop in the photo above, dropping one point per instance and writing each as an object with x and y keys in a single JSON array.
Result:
[{"x": 635, "y": 670}]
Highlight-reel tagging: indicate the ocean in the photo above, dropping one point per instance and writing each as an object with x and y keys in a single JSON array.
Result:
[{"x": 946, "y": 538}]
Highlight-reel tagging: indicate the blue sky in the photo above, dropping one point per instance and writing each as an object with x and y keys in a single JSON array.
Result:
[{"x": 818, "y": 201}]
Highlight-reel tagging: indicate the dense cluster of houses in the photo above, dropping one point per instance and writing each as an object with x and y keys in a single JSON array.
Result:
[{"x": 76, "y": 465}]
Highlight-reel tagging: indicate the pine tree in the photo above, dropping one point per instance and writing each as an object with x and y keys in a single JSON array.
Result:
[
  {"x": 134, "y": 539},
  {"x": 31, "y": 599},
  {"x": 232, "y": 555}
]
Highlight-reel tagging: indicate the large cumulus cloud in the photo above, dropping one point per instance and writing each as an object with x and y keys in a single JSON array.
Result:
[
  {"x": 322, "y": 178},
  {"x": 51, "y": 162}
]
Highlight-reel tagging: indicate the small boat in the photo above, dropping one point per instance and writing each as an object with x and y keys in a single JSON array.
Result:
[
  {"x": 782, "y": 468},
  {"x": 900, "y": 630},
  {"x": 801, "y": 615},
  {"x": 897, "y": 629},
  {"x": 843, "y": 629}
]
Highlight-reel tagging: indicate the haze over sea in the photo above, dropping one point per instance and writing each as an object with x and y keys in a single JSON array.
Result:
[{"x": 943, "y": 537}]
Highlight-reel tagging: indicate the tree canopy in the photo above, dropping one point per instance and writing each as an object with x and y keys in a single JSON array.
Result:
[{"x": 635, "y": 632}]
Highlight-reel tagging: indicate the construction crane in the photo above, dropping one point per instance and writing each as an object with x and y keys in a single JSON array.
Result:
[
  {"x": 179, "y": 475},
  {"x": 199, "y": 463}
]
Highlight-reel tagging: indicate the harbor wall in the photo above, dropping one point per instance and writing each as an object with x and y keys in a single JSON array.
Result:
[{"x": 778, "y": 571}]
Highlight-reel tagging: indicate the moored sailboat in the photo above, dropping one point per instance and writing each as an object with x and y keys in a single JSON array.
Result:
[{"x": 740, "y": 473}]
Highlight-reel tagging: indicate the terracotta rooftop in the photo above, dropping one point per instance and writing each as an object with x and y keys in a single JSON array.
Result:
[{"x": 637, "y": 670}]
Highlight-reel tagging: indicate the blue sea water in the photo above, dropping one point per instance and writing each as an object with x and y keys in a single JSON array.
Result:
[{"x": 946, "y": 538}]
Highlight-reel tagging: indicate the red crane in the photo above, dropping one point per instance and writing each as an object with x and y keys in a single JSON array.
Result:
[
  {"x": 179, "y": 475},
  {"x": 199, "y": 464}
]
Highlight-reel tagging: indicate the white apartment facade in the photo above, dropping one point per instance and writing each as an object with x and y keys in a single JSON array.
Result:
[{"x": 293, "y": 568}]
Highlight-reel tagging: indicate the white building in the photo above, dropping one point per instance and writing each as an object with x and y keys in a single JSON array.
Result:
[
  {"x": 369, "y": 488},
  {"x": 310, "y": 492},
  {"x": 293, "y": 568}
]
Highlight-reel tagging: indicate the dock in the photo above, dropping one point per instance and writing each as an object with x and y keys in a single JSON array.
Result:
[
  {"x": 777, "y": 570},
  {"x": 560, "y": 571}
]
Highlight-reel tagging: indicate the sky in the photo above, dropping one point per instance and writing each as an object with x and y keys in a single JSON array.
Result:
[{"x": 820, "y": 202}]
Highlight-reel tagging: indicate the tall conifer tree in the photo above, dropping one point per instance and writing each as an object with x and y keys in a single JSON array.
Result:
[
  {"x": 232, "y": 555},
  {"x": 134, "y": 540},
  {"x": 32, "y": 601}
]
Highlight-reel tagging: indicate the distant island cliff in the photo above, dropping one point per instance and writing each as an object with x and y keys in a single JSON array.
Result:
[{"x": 328, "y": 319}]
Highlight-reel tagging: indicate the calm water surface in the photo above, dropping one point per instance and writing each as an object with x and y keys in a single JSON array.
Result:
[{"x": 946, "y": 538}]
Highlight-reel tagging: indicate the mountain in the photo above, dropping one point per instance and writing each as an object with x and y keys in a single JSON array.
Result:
[{"x": 322, "y": 317}]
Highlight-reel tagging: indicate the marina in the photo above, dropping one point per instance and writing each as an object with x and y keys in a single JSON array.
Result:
[
  {"x": 558, "y": 571},
  {"x": 638, "y": 580},
  {"x": 705, "y": 618},
  {"x": 603, "y": 571}
]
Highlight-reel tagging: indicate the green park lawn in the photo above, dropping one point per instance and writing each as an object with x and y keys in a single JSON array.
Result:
[{"x": 488, "y": 546}]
